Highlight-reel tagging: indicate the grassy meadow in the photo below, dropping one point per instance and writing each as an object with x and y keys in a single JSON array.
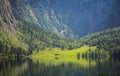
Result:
[
  {"x": 56, "y": 52},
  {"x": 57, "y": 56}
]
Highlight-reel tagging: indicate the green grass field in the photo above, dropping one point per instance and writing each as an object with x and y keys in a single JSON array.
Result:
[
  {"x": 57, "y": 56},
  {"x": 56, "y": 52}
]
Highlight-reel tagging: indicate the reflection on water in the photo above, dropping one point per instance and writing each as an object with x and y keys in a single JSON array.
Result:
[
  {"x": 85, "y": 63},
  {"x": 60, "y": 67},
  {"x": 12, "y": 68}
]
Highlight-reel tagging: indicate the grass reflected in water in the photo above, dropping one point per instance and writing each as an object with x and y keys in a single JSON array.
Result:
[
  {"x": 52, "y": 66},
  {"x": 57, "y": 61}
]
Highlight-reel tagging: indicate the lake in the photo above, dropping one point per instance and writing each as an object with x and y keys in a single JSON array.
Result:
[{"x": 60, "y": 67}]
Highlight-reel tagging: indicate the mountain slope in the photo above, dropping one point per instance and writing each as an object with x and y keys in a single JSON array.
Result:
[
  {"x": 108, "y": 40},
  {"x": 41, "y": 14},
  {"x": 9, "y": 39},
  {"x": 39, "y": 39},
  {"x": 21, "y": 36},
  {"x": 87, "y": 16},
  {"x": 7, "y": 21},
  {"x": 69, "y": 18},
  {"x": 97, "y": 45}
]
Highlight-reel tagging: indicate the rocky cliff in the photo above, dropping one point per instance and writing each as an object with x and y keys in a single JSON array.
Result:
[
  {"x": 9, "y": 31},
  {"x": 7, "y": 20},
  {"x": 41, "y": 14}
]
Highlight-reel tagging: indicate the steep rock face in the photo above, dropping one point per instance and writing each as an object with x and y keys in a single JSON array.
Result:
[
  {"x": 10, "y": 43},
  {"x": 24, "y": 33},
  {"x": 69, "y": 17},
  {"x": 41, "y": 14},
  {"x": 7, "y": 21},
  {"x": 88, "y": 16}
]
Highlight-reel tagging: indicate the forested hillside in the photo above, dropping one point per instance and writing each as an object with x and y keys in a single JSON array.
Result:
[
  {"x": 10, "y": 43},
  {"x": 18, "y": 36},
  {"x": 39, "y": 39},
  {"x": 108, "y": 40}
]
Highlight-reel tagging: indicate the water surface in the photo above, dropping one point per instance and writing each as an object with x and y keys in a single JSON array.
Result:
[{"x": 60, "y": 67}]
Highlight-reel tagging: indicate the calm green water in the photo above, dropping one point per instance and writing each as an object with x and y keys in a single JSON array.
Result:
[{"x": 57, "y": 67}]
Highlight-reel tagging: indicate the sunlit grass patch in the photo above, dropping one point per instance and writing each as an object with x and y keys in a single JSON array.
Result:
[
  {"x": 57, "y": 56},
  {"x": 56, "y": 52}
]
